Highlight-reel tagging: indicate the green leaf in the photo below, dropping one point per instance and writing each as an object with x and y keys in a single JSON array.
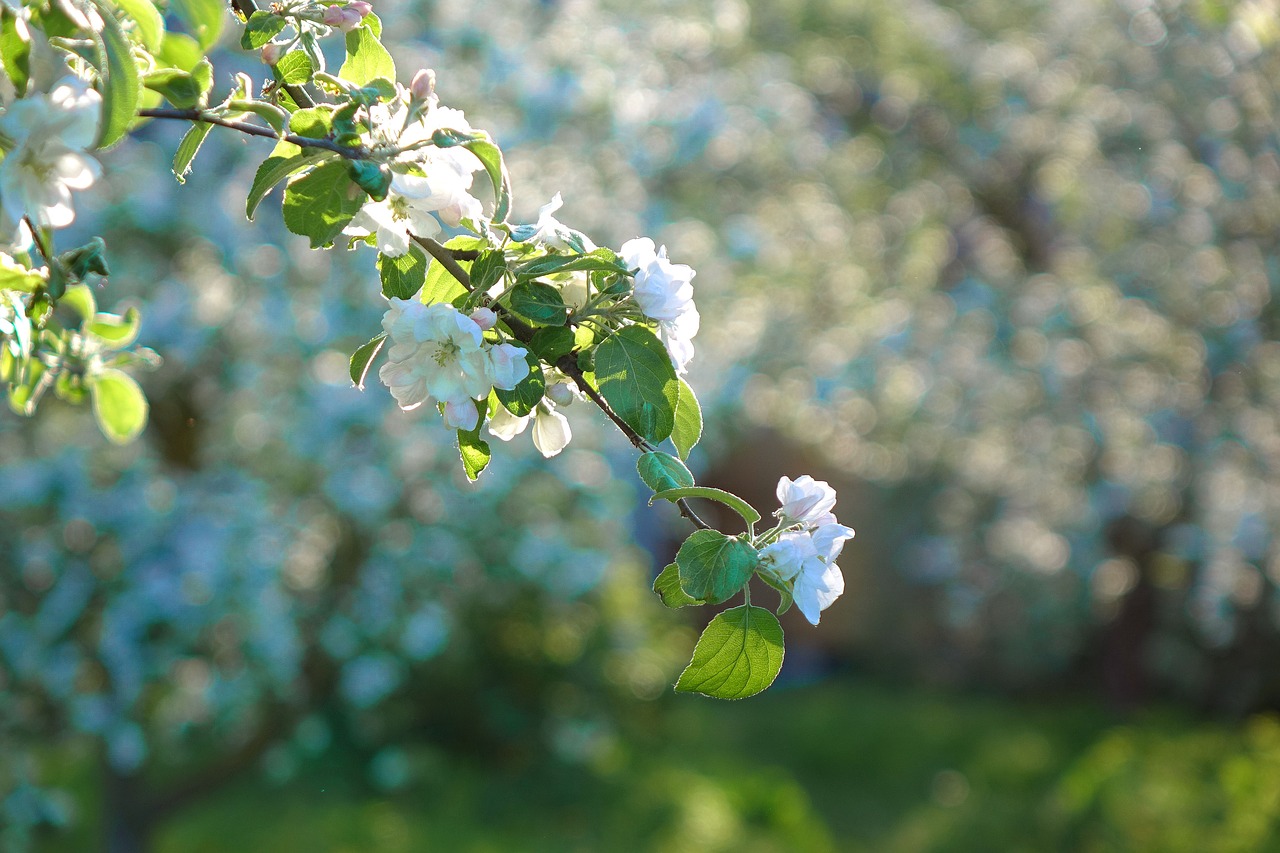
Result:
[
  {"x": 667, "y": 586},
  {"x": 738, "y": 655},
  {"x": 118, "y": 404},
  {"x": 367, "y": 59},
  {"x": 270, "y": 113},
  {"x": 440, "y": 285},
  {"x": 600, "y": 259},
  {"x": 688, "y": 427},
  {"x": 363, "y": 357},
  {"x": 203, "y": 18},
  {"x": 491, "y": 156},
  {"x": 785, "y": 598},
  {"x": 730, "y": 500},
  {"x": 316, "y": 122},
  {"x": 178, "y": 87},
  {"x": 188, "y": 148},
  {"x": 522, "y": 399},
  {"x": 319, "y": 204},
  {"x": 474, "y": 452},
  {"x": 714, "y": 566},
  {"x": 487, "y": 269},
  {"x": 15, "y": 52},
  {"x": 150, "y": 22},
  {"x": 373, "y": 178},
  {"x": 662, "y": 471},
  {"x": 540, "y": 303},
  {"x": 635, "y": 376},
  {"x": 180, "y": 51},
  {"x": 119, "y": 73},
  {"x": 261, "y": 28},
  {"x": 275, "y": 169},
  {"x": 13, "y": 276},
  {"x": 113, "y": 330},
  {"x": 294, "y": 68},
  {"x": 402, "y": 276},
  {"x": 552, "y": 343},
  {"x": 79, "y": 298}
]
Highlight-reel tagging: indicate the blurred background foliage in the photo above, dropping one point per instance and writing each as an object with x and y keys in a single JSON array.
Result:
[{"x": 1001, "y": 272}]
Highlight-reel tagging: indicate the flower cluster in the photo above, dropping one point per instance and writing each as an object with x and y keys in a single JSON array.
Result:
[
  {"x": 551, "y": 432},
  {"x": 49, "y": 135},
  {"x": 804, "y": 556},
  {"x": 664, "y": 292},
  {"x": 430, "y": 185},
  {"x": 438, "y": 352}
]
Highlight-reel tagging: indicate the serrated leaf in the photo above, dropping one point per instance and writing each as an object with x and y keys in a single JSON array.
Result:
[
  {"x": 275, "y": 169},
  {"x": 635, "y": 376},
  {"x": 294, "y": 68},
  {"x": 662, "y": 471},
  {"x": 475, "y": 453},
  {"x": 667, "y": 586},
  {"x": 316, "y": 122},
  {"x": 487, "y": 269},
  {"x": 15, "y": 51},
  {"x": 522, "y": 399},
  {"x": 735, "y": 503},
  {"x": 188, "y": 148},
  {"x": 362, "y": 358},
  {"x": 118, "y": 404},
  {"x": 738, "y": 655},
  {"x": 119, "y": 76},
  {"x": 367, "y": 59},
  {"x": 539, "y": 303},
  {"x": 688, "y": 426},
  {"x": 714, "y": 567},
  {"x": 261, "y": 28},
  {"x": 177, "y": 87},
  {"x": 597, "y": 260},
  {"x": 203, "y": 18},
  {"x": 402, "y": 276},
  {"x": 552, "y": 343},
  {"x": 150, "y": 23},
  {"x": 319, "y": 204}
]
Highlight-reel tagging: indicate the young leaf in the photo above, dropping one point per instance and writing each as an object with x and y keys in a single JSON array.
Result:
[
  {"x": 363, "y": 357},
  {"x": 149, "y": 20},
  {"x": 539, "y": 303},
  {"x": 188, "y": 148},
  {"x": 261, "y": 28},
  {"x": 688, "y": 427},
  {"x": 552, "y": 343},
  {"x": 735, "y": 503},
  {"x": 315, "y": 122},
  {"x": 119, "y": 78},
  {"x": 180, "y": 51},
  {"x": 294, "y": 68},
  {"x": 662, "y": 471},
  {"x": 635, "y": 377},
  {"x": 667, "y": 586},
  {"x": 113, "y": 330},
  {"x": 178, "y": 87},
  {"x": 599, "y": 260},
  {"x": 367, "y": 59},
  {"x": 491, "y": 156},
  {"x": 373, "y": 178},
  {"x": 487, "y": 269},
  {"x": 522, "y": 399},
  {"x": 713, "y": 566},
  {"x": 275, "y": 169},
  {"x": 474, "y": 451},
  {"x": 319, "y": 204},
  {"x": 738, "y": 655},
  {"x": 118, "y": 404},
  {"x": 441, "y": 286},
  {"x": 404, "y": 275}
]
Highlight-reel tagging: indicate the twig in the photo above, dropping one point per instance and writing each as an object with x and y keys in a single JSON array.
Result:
[
  {"x": 300, "y": 96},
  {"x": 358, "y": 152}
]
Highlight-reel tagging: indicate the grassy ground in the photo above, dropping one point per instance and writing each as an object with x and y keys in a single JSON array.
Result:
[{"x": 831, "y": 767}]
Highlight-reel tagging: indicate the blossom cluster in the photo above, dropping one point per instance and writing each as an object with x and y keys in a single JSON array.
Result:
[
  {"x": 803, "y": 558},
  {"x": 438, "y": 352},
  {"x": 47, "y": 136}
]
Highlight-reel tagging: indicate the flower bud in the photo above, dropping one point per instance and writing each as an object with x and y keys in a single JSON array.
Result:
[
  {"x": 561, "y": 393},
  {"x": 484, "y": 318},
  {"x": 342, "y": 17},
  {"x": 423, "y": 85},
  {"x": 360, "y": 7},
  {"x": 272, "y": 52}
]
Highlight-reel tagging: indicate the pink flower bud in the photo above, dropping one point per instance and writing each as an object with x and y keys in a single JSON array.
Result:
[
  {"x": 272, "y": 52},
  {"x": 360, "y": 7},
  {"x": 484, "y": 318},
  {"x": 423, "y": 84},
  {"x": 332, "y": 16},
  {"x": 342, "y": 17}
]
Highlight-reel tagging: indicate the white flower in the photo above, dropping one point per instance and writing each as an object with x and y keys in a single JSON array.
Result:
[
  {"x": 551, "y": 432},
  {"x": 806, "y": 501},
  {"x": 664, "y": 292},
  {"x": 808, "y": 562},
  {"x": 51, "y": 133},
  {"x": 437, "y": 352},
  {"x": 507, "y": 365},
  {"x": 555, "y": 235}
]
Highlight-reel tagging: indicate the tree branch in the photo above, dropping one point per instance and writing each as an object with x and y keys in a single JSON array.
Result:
[
  {"x": 246, "y": 8},
  {"x": 359, "y": 152}
]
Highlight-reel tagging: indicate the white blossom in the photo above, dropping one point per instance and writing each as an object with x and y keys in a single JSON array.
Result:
[
  {"x": 664, "y": 292},
  {"x": 807, "y": 561},
  {"x": 555, "y": 235},
  {"x": 806, "y": 501},
  {"x": 551, "y": 432},
  {"x": 437, "y": 352},
  {"x": 48, "y": 161}
]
